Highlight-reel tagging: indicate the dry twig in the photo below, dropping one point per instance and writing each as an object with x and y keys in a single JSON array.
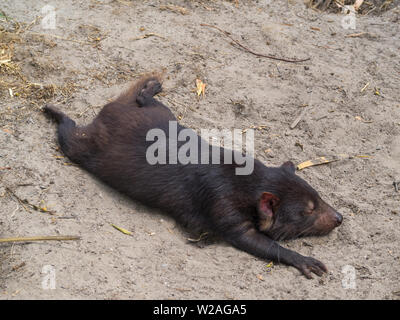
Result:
[
  {"x": 40, "y": 238},
  {"x": 251, "y": 51}
]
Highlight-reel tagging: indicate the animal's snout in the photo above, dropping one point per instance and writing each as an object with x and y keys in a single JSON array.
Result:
[{"x": 339, "y": 219}]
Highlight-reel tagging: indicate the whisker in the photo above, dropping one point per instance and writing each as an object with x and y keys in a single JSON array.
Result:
[{"x": 305, "y": 231}]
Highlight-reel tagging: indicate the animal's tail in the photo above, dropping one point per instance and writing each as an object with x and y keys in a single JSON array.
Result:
[
  {"x": 142, "y": 91},
  {"x": 66, "y": 129},
  {"x": 57, "y": 115}
]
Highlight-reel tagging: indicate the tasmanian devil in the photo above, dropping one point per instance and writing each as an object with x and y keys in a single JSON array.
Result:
[{"x": 249, "y": 211}]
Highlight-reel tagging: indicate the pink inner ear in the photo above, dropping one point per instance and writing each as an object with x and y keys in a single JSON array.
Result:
[{"x": 267, "y": 202}]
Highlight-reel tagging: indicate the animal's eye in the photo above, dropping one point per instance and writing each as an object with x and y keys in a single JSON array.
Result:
[{"x": 309, "y": 209}]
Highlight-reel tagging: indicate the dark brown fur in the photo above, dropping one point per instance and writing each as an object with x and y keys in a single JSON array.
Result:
[{"x": 250, "y": 212}]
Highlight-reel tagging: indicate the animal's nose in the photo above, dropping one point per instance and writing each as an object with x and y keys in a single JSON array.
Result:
[{"x": 339, "y": 219}]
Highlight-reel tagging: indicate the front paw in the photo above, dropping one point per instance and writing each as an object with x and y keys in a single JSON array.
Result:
[{"x": 307, "y": 265}]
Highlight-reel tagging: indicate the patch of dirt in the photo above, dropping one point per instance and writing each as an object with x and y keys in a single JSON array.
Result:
[
  {"x": 373, "y": 7},
  {"x": 349, "y": 90}
]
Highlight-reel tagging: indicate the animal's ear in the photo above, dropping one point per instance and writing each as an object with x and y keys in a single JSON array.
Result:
[
  {"x": 267, "y": 203},
  {"x": 289, "y": 165}
]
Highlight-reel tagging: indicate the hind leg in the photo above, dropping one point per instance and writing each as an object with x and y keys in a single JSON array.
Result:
[{"x": 145, "y": 96}]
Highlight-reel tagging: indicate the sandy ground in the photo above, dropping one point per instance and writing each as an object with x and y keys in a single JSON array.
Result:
[{"x": 98, "y": 47}]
